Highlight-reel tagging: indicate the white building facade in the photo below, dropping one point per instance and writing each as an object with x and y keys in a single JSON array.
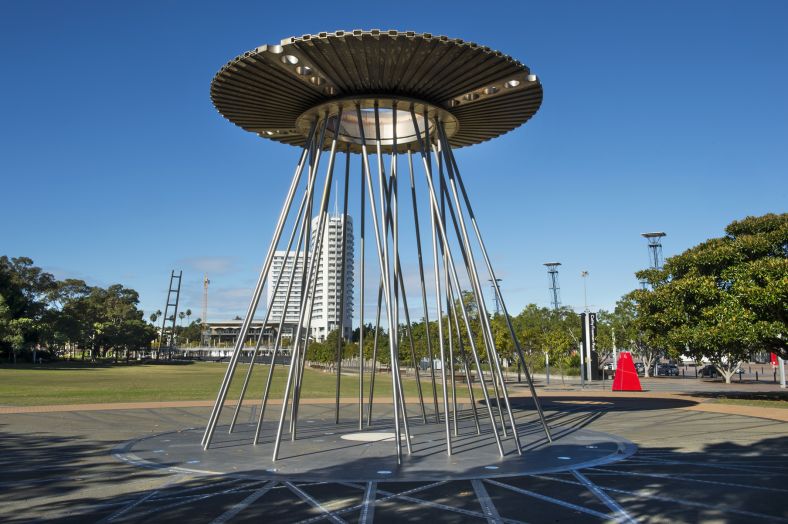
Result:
[
  {"x": 282, "y": 268},
  {"x": 327, "y": 302}
]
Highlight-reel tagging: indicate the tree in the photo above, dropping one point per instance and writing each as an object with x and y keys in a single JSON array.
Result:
[
  {"x": 725, "y": 298},
  {"x": 637, "y": 334},
  {"x": 25, "y": 289},
  {"x": 11, "y": 330},
  {"x": 325, "y": 352},
  {"x": 38, "y": 311}
]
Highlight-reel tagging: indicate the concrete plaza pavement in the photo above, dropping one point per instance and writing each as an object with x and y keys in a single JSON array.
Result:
[{"x": 694, "y": 463}]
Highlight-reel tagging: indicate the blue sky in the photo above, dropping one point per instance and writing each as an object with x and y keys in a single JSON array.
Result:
[{"x": 114, "y": 166}]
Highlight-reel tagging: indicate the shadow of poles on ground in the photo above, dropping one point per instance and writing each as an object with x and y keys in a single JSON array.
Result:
[
  {"x": 36, "y": 466},
  {"x": 725, "y": 481}
]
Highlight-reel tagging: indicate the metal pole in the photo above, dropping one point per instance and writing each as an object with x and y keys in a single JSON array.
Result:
[
  {"x": 322, "y": 226},
  {"x": 217, "y": 408},
  {"x": 467, "y": 256},
  {"x": 547, "y": 366},
  {"x": 302, "y": 241},
  {"x": 341, "y": 337},
  {"x": 449, "y": 305},
  {"x": 399, "y": 285},
  {"x": 383, "y": 268},
  {"x": 423, "y": 286},
  {"x": 781, "y": 363},
  {"x": 374, "y": 353},
  {"x": 615, "y": 351},
  {"x": 456, "y": 282},
  {"x": 434, "y": 217},
  {"x": 314, "y": 265},
  {"x": 309, "y": 252},
  {"x": 175, "y": 313},
  {"x": 299, "y": 213},
  {"x": 302, "y": 360},
  {"x": 465, "y": 364},
  {"x": 393, "y": 310},
  {"x": 490, "y": 270},
  {"x": 587, "y": 343},
  {"x": 375, "y": 347},
  {"x": 475, "y": 280},
  {"x": 363, "y": 212}
]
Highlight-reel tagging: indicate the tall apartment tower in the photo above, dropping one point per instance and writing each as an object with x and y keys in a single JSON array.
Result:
[
  {"x": 282, "y": 268},
  {"x": 326, "y": 304}
]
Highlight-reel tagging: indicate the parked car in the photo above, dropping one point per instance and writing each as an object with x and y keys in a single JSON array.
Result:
[
  {"x": 708, "y": 372},
  {"x": 640, "y": 368},
  {"x": 668, "y": 370}
]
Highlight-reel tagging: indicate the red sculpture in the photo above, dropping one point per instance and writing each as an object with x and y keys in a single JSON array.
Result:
[{"x": 626, "y": 378}]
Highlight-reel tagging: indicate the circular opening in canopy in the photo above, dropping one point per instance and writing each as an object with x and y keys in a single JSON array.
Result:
[
  {"x": 388, "y": 125},
  {"x": 394, "y": 120}
]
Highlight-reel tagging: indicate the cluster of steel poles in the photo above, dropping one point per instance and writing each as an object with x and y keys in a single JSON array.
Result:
[{"x": 449, "y": 206}]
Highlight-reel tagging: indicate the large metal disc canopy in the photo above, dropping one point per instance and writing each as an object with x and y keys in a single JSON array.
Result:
[{"x": 276, "y": 91}]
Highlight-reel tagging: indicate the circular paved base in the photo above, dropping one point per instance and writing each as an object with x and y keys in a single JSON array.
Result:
[{"x": 325, "y": 451}]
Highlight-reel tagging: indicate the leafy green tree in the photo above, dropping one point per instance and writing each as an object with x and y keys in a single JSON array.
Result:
[
  {"x": 11, "y": 330},
  {"x": 633, "y": 334},
  {"x": 725, "y": 298},
  {"x": 25, "y": 289},
  {"x": 40, "y": 311},
  {"x": 325, "y": 352}
]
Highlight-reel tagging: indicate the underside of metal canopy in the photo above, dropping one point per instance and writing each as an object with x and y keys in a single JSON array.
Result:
[{"x": 479, "y": 92}]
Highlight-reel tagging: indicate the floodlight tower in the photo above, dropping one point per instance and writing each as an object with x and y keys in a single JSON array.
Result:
[
  {"x": 496, "y": 284},
  {"x": 654, "y": 251},
  {"x": 552, "y": 270}
]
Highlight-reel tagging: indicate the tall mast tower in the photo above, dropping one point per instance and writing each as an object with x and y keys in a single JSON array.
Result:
[
  {"x": 654, "y": 251},
  {"x": 495, "y": 283},
  {"x": 552, "y": 271},
  {"x": 206, "y": 334}
]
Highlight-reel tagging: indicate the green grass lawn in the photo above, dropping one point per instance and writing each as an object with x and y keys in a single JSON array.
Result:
[
  {"x": 762, "y": 400},
  {"x": 77, "y": 383},
  {"x": 782, "y": 404}
]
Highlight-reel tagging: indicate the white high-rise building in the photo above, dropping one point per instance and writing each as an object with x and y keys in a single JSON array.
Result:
[
  {"x": 326, "y": 304},
  {"x": 282, "y": 268}
]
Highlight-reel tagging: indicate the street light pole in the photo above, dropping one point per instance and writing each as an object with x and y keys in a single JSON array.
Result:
[{"x": 586, "y": 328}]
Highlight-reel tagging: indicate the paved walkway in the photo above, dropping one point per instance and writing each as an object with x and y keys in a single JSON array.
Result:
[
  {"x": 690, "y": 467},
  {"x": 695, "y": 403}
]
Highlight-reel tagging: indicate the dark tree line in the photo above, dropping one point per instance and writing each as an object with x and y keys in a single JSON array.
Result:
[{"x": 42, "y": 315}]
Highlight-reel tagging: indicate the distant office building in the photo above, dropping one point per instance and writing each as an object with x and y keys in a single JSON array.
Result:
[
  {"x": 224, "y": 334},
  {"x": 326, "y": 304}
]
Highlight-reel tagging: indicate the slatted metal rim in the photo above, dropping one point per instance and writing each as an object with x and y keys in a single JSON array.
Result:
[{"x": 265, "y": 90}]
